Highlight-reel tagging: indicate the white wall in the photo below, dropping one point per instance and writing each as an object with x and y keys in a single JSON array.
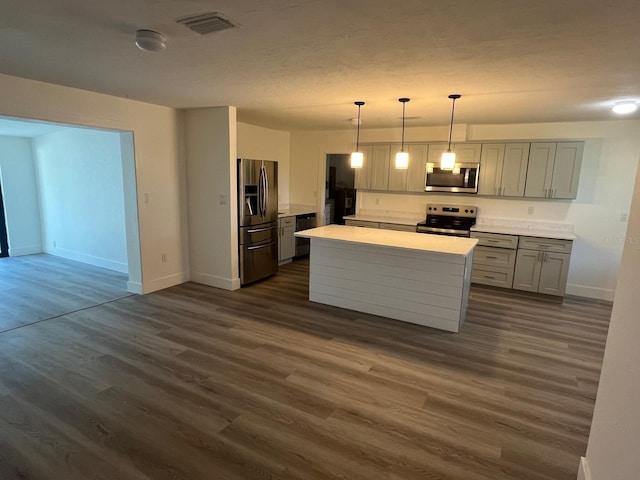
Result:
[
  {"x": 267, "y": 144},
  {"x": 19, "y": 188},
  {"x": 606, "y": 183},
  {"x": 612, "y": 453},
  {"x": 213, "y": 206},
  {"x": 82, "y": 196},
  {"x": 159, "y": 167}
]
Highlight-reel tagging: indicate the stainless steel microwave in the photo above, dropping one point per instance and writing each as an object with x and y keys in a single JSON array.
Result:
[{"x": 463, "y": 178}]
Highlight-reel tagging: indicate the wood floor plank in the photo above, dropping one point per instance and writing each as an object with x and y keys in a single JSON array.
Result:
[{"x": 197, "y": 383}]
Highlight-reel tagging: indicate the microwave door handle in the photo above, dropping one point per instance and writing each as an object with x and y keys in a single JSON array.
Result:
[{"x": 466, "y": 178}]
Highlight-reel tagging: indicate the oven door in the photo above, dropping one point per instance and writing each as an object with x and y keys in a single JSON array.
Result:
[{"x": 461, "y": 179}]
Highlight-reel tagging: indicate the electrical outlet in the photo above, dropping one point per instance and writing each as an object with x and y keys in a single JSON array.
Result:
[
  {"x": 146, "y": 198},
  {"x": 164, "y": 258},
  {"x": 624, "y": 216},
  {"x": 377, "y": 201},
  {"x": 223, "y": 199},
  {"x": 531, "y": 210},
  {"x": 55, "y": 244}
]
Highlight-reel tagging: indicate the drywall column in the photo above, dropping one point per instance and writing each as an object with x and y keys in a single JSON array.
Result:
[
  {"x": 612, "y": 453},
  {"x": 211, "y": 186},
  {"x": 19, "y": 185}
]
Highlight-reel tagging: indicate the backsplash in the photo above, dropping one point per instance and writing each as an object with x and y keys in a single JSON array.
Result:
[{"x": 511, "y": 223}]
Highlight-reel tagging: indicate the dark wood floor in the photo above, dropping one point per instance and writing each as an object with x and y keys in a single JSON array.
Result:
[
  {"x": 198, "y": 383},
  {"x": 38, "y": 287}
]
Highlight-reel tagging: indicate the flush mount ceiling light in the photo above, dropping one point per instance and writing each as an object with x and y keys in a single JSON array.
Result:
[
  {"x": 448, "y": 159},
  {"x": 402, "y": 157},
  {"x": 357, "y": 157},
  {"x": 150, "y": 41},
  {"x": 622, "y": 108}
]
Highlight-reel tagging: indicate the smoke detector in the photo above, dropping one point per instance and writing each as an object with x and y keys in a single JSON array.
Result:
[
  {"x": 207, "y": 23},
  {"x": 150, "y": 41}
]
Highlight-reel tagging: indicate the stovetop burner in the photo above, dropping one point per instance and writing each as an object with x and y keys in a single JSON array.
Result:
[{"x": 449, "y": 220}]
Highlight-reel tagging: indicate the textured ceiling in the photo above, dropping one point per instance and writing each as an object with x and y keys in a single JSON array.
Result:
[{"x": 300, "y": 64}]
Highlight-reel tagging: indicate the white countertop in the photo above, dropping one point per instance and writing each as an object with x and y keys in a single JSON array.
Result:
[
  {"x": 390, "y": 238},
  {"x": 369, "y": 217},
  {"x": 525, "y": 232},
  {"x": 295, "y": 210}
]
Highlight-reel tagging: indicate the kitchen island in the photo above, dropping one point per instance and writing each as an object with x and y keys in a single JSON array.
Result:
[{"x": 413, "y": 277}]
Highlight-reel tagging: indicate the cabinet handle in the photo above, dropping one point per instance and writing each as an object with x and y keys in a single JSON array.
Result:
[
  {"x": 502, "y": 191},
  {"x": 492, "y": 258},
  {"x": 546, "y": 193},
  {"x": 539, "y": 257},
  {"x": 497, "y": 191},
  {"x": 489, "y": 276},
  {"x": 545, "y": 257},
  {"x": 553, "y": 193}
]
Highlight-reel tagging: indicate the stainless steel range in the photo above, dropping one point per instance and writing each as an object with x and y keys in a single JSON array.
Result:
[{"x": 455, "y": 220}]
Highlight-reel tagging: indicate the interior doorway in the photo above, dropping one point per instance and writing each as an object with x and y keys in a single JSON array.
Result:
[
  {"x": 340, "y": 194},
  {"x": 4, "y": 240}
]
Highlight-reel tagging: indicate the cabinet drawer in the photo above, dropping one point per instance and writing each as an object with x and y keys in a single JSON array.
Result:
[
  {"x": 497, "y": 257},
  {"x": 496, "y": 240},
  {"x": 361, "y": 223},
  {"x": 546, "y": 244},
  {"x": 496, "y": 276},
  {"x": 398, "y": 226},
  {"x": 287, "y": 221}
]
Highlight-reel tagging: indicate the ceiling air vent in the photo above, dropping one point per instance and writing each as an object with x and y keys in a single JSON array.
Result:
[{"x": 206, "y": 23}]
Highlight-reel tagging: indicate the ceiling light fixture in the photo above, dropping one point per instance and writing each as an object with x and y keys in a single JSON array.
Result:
[
  {"x": 448, "y": 159},
  {"x": 625, "y": 107},
  {"x": 357, "y": 157},
  {"x": 150, "y": 41},
  {"x": 402, "y": 157}
]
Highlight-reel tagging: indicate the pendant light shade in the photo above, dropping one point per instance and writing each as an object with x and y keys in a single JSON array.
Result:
[
  {"x": 448, "y": 159},
  {"x": 402, "y": 157},
  {"x": 357, "y": 157}
]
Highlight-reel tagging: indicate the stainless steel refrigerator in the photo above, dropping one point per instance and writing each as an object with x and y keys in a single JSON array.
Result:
[{"x": 258, "y": 219}]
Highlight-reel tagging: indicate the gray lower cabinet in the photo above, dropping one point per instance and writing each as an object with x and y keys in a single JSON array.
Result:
[
  {"x": 384, "y": 226},
  {"x": 494, "y": 259},
  {"x": 286, "y": 239},
  {"x": 542, "y": 272},
  {"x": 532, "y": 264},
  {"x": 542, "y": 265}
]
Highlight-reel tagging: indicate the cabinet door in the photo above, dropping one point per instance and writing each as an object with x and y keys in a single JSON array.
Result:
[
  {"x": 491, "y": 162},
  {"x": 397, "y": 177},
  {"x": 554, "y": 272},
  {"x": 467, "y": 152},
  {"x": 363, "y": 175},
  {"x": 417, "y": 167},
  {"x": 566, "y": 169},
  {"x": 435, "y": 153},
  {"x": 380, "y": 167},
  {"x": 514, "y": 169},
  {"x": 287, "y": 242},
  {"x": 527, "y": 272},
  {"x": 541, "y": 159}
]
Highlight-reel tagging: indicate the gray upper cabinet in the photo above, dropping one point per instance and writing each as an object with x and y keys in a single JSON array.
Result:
[
  {"x": 541, "y": 160},
  {"x": 397, "y": 177},
  {"x": 554, "y": 170},
  {"x": 491, "y": 162},
  {"x": 417, "y": 167},
  {"x": 363, "y": 175},
  {"x": 411, "y": 179},
  {"x": 467, "y": 152},
  {"x": 566, "y": 170},
  {"x": 380, "y": 167},
  {"x": 503, "y": 169}
]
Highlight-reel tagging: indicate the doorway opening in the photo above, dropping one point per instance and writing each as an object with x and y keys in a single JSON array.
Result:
[{"x": 340, "y": 194}]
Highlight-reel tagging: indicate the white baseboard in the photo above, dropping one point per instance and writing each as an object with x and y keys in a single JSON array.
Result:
[
  {"x": 149, "y": 286},
  {"x": 583, "y": 471},
  {"x": 215, "y": 281},
  {"x": 27, "y": 250},
  {"x": 90, "y": 259},
  {"x": 591, "y": 292},
  {"x": 134, "y": 287}
]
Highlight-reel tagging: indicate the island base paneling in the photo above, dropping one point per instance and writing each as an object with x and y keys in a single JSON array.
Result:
[{"x": 424, "y": 288}]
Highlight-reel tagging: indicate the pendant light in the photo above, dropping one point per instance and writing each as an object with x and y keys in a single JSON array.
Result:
[
  {"x": 357, "y": 157},
  {"x": 402, "y": 157},
  {"x": 448, "y": 159}
]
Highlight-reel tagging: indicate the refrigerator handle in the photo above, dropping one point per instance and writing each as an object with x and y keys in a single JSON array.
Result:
[
  {"x": 261, "y": 192},
  {"x": 266, "y": 191}
]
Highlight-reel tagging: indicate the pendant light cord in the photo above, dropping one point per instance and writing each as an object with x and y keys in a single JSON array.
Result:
[
  {"x": 453, "y": 108},
  {"x": 358, "y": 130},
  {"x": 404, "y": 104}
]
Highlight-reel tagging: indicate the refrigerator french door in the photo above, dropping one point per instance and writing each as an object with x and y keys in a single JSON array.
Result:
[{"x": 258, "y": 219}]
